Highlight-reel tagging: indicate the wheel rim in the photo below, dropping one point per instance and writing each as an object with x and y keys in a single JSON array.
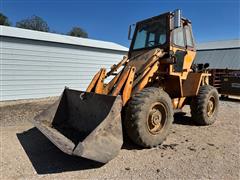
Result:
[
  {"x": 211, "y": 106},
  {"x": 156, "y": 118}
]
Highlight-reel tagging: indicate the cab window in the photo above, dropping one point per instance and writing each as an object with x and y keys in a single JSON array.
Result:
[
  {"x": 178, "y": 37},
  {"x": 188, "y": 36},
  {"x": 151, "y": 34},
  {"x": 140, "y": 40}
]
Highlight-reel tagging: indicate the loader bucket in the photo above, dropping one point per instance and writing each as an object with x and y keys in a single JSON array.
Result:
[{"x": 84, "y": 124}]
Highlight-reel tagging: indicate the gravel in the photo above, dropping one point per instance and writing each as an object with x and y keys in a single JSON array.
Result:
[{"x": 190, "y": 151}]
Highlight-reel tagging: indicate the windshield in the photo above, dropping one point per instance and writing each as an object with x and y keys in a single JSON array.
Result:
[{"x": 151, "y": 34}]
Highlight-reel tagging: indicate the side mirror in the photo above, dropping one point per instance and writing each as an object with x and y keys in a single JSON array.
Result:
[
  {"x": 130, "y": 31},
  {"x": 177, "y": 18},
  {"x": 206, "y": 65}
]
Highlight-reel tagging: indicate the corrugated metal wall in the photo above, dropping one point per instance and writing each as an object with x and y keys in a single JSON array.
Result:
[
  {"x": 33, "y": 69},
  {"x": 219, "y": 58}
]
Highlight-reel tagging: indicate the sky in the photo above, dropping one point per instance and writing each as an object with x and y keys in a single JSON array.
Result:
[{"x": 109, "y": 20}]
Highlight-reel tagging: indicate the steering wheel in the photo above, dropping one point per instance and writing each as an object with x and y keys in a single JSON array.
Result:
[{"x": 150, "y": 43}]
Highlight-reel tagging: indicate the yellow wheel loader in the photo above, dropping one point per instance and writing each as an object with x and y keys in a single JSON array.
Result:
[{"x": 156, "y": 78}]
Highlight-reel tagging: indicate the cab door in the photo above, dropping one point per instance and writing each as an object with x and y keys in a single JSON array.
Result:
[
  {"x": 179, "y": 48},
  {"x": 190, "y": 47},
  {"x": 183, "y": 48}
]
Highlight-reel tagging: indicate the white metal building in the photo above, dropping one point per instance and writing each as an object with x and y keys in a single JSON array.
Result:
[{"x": 37, "y": 64}]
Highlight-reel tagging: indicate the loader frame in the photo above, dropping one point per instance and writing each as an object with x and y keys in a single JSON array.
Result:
[
  {"x": 143, "y": 89},
  {"x": 128, "y": 81}
]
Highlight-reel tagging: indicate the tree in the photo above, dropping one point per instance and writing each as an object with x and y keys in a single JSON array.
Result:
[
  {"x": 33, "y": 23},
  {"x": 78, "y": 32},
  {"x": 4, "y": 20}
]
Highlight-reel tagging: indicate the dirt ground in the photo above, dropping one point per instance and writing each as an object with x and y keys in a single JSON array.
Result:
[{"x": 190, "y": 151}]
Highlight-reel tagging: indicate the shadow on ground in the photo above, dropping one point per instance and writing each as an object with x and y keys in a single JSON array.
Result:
[
  {"x": 46, "y": 158},
  {"x": 129, "y": 145},
  {"x": 182, "y": 119},
  {"x": 230, "y": 99}
]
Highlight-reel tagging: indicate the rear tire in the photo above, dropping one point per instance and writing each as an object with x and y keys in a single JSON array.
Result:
[
  {"x": 204, "y": 107},
  {"x": 149, "y": 116}
]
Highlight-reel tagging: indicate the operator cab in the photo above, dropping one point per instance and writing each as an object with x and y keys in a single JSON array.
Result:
[
  {"x": 168, "y": 31},
  {"x": 151, "y": 33}
]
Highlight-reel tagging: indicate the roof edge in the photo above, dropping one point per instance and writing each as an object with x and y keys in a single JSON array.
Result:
[
  {"x": 216, "y": 49},
  {"x": 58, "y": 38},
  {"x": 221, "y": 44}
]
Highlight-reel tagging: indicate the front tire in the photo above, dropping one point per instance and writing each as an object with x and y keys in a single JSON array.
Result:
[
  {"x": 204, "y": 107},
  {"x": 149, "y": 116}
]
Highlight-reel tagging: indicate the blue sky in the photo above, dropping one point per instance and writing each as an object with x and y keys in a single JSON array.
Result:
[{"x": 109, "y": 20}]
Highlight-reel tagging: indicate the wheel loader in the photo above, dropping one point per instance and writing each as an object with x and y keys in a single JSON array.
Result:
[{"x": 155, "y": 79}]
